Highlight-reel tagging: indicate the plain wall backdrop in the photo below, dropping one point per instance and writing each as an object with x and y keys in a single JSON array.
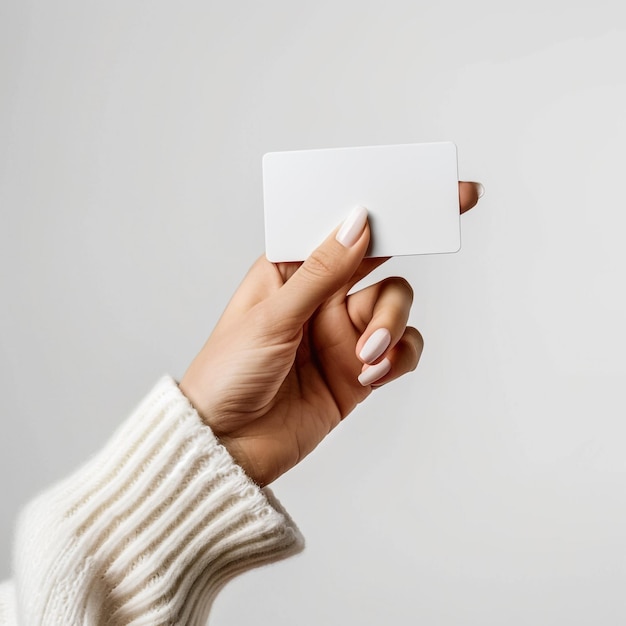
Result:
[{"x": 488, "y": 487}]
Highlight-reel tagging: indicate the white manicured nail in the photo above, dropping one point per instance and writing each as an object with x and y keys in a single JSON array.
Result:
[
  {"x": 374, "y": 372},
  {"x": 377, "y": 343},
  {"x": 352, "y": 228},
  {"x": 481, "y": 189}
]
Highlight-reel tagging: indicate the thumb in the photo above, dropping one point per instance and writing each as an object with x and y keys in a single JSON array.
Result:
[{"x": 327, "y": 269}]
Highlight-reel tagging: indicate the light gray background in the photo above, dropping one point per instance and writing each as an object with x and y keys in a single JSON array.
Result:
[{"x": 488, "y": 487}]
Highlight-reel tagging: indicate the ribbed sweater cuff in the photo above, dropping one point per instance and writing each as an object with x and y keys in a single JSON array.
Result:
[{"x": 150, "y": 529}]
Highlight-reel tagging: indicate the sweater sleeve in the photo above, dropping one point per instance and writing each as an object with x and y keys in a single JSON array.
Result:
[{"x": 147, "y": 532}]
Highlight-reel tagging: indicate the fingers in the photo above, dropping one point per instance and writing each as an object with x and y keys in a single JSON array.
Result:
[
  {"x": 399, "y": 360},
  {"x": 328, "y": 269},
  {"x": 380, "y": 312},
  {"x": 469, "y": 194},
  {"x": 386, "y": 347},
  {"x": 265, "y": 278}
]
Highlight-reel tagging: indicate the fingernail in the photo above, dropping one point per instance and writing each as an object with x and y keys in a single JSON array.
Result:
[
  {"x": 481, "y": 189},
  {"x": 377, "y": 343},
  {"x": 352, "y": 228},
  {"x": 374, "y": 372}
]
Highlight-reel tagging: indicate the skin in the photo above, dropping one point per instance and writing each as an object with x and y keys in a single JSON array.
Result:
[{"x": 281, "y": 368}]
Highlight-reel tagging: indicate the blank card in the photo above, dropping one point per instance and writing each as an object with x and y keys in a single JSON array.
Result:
[{"x": 410, "y": 192}]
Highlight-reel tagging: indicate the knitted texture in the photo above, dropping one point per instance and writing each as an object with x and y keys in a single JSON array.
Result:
[
  {"x": 148, "y": 531},
  {"x": 7, "y": 603}
]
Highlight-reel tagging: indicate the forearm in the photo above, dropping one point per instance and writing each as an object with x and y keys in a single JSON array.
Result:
[{"x": 149, "y": 530}]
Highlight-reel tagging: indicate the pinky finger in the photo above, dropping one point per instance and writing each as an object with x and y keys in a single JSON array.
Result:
[{"x": 402, "y": 358}]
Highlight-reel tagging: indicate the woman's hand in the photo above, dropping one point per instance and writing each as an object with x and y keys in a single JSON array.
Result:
[{"x": 293, "y": 353}]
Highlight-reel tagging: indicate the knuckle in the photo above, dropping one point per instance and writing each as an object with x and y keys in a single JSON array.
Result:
[
  {"x": 401, "y": 284},
  {"x": 415, "y": 341},
  {"x": 320, "y": 264}
]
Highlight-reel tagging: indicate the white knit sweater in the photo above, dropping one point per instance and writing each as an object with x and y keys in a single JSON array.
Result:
[{"x": 147, "y": 532}]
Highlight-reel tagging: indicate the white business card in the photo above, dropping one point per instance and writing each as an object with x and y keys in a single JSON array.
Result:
[{"x": 410, "y": 192}]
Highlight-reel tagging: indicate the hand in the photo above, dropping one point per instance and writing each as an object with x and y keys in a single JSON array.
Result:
[{"x": 293, "y": 353}]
